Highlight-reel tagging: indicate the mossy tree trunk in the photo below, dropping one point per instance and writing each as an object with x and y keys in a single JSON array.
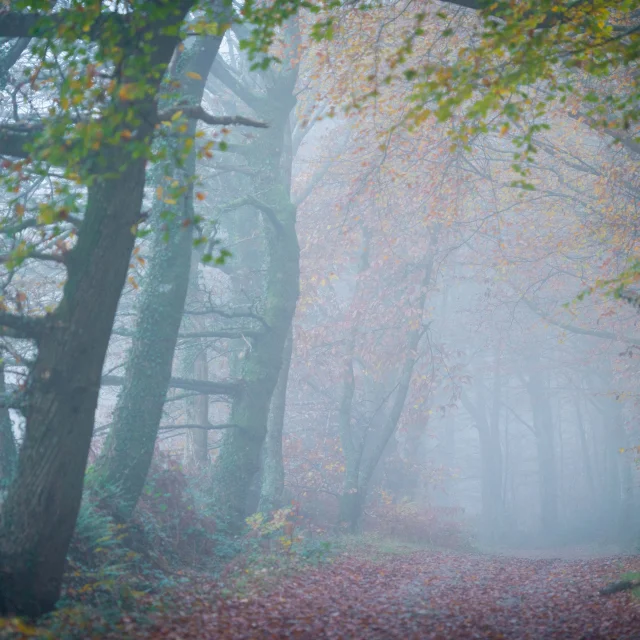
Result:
[
  {"x": 273, "y": 464},
  {"x": 122, "y": 468}
]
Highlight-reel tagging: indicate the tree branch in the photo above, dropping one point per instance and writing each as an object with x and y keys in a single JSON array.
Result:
[
  {"x": 605, "y": 335},
  {"x": 234, "y": 313},
  {"x": 203, "y": 387},
  {"x": 23, "y": 327},
  {"x": 222, "y": 72},
  {"x": 198, "y": 113},
  {"x": 15, "y": 140},
  {"x": 207, "y": 427},
  {"x": 15, "y": 24},
  {"x": 231, "y": 334}
]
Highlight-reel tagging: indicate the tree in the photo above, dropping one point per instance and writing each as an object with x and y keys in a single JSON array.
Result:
[{"x": 97, "y": 126}]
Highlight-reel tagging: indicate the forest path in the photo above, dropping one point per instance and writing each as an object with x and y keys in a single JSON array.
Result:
[{"x": 419, "y": 595}]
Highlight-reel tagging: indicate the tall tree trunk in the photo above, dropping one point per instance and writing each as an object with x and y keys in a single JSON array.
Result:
[
  {"x": 124, "y": 463},
  {"x": 273, "y": 464},
  {"x": 490, "y": 460},
  {"x": 545, "y": 446}
]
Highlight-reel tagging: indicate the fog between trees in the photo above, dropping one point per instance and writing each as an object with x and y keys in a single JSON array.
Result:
[{"x": 360, "y": 285}]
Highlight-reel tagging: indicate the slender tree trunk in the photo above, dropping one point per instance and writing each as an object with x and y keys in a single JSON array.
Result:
[
  {"x": 545, "y": 446},
  {"x": 124, "y": 463},
  {"x": 273, "y": 464},
  {"x": 490, "y": 460},
  {"x": 196, "y": 453},
  {"x": 584, "y": 449},
  {"x": 353, "y": 499}
]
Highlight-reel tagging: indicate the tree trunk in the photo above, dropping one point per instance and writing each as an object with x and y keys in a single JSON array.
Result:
[
  {"x": 543, "y": 425},
  {"x": 490, "y": 460},
  {"x": 238, "y": 462},
  {"x": 239, "y": 458},
  {"x": 584, "y": 449},
  {"x": 40, "y": 511},
  {"x": 273, "y": 464},
  {"x": 8, "y": 448},
  {"x": 124, "y": 463},
  {"x": 39, "y": 514},
  {"x": 196, "y": 453}
]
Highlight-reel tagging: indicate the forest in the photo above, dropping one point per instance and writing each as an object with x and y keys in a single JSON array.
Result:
[{"x": 320, "y": 319}]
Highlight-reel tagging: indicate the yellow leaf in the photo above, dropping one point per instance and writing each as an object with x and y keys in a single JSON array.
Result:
[
  {"x": 176, "y": 116},
  {"x": 170, "y": 201},
  {"x": 125, "y": 92},
  {"x": 193, "y": 75}
]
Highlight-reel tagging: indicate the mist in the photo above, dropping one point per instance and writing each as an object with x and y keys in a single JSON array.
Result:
[{"x": 319, "y": 320}]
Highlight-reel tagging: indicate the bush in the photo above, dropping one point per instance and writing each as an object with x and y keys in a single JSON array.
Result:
[
  {"x": 410, "y": 522},
  {"x": 173, "y": 516}
]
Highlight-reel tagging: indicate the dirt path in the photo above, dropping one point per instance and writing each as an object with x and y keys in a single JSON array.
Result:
[{"x": 420, "y": 595}]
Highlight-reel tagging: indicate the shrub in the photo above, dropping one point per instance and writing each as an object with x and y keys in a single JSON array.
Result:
[
  {"x": 410, "y": 522},
  {"x": 173, "y": 517}
]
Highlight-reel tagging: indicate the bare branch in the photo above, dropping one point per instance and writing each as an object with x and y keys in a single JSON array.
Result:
[
  {"x": 233, "y": 313},
  {"x": 203, "y": 387},
  {"x": 604, "y": 335},
  {"x": 222, "y": 72},
  {"x": 205, "y": 427},
  {"x": 39, "y": 255},
  {"x": 198, "y": 113},
  {"x": 231, "y": 334}
]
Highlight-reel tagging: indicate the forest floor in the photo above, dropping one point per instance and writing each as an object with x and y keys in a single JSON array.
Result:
[{"x": 395, "y": 591}]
